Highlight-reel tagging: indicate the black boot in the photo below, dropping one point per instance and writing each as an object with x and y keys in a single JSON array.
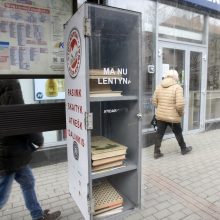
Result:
[
  {"x": 50, "y": 216},
  {"x": 157, "y": 154},
  {"x": 186, "y": 150}
]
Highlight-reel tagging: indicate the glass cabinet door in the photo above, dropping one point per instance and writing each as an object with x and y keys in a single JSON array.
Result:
[
  {"x": 114, "y": 67},
  {"x": 113, "y": 53}
]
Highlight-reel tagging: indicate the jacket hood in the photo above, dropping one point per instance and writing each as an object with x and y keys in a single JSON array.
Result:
[
  {"x": 10, "y": 92},
  {"x": 167, "y": 82}
]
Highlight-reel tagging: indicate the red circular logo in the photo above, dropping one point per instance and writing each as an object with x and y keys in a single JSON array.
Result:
[{"x": 73, "y": 53}]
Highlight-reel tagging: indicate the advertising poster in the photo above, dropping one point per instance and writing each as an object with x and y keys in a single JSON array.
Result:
[
  {"x": 76, "y": 108},
  {"x": 33, "y": 30},
  {"x": 49, "y": 89}
]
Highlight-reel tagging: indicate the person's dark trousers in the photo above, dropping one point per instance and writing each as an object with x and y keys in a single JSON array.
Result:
[
  {"x": 161, "y": 128},
  {"x": 25, "y": 178}
]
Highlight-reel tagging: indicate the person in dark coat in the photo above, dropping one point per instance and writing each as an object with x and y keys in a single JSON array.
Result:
[{"x": 15, "y": 155}]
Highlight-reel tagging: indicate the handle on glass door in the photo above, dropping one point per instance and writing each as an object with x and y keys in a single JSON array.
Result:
[
  {"x": 159, "y": 52},
  {"x": 139, "y": 115},
  {"x": 203, "y": 91}
]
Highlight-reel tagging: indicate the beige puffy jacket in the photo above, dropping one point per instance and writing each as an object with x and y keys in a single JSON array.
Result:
[{"x": 168, "y": 100}]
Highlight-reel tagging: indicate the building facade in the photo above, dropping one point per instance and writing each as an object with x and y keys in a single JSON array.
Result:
[{"x": 181, "y": 35}]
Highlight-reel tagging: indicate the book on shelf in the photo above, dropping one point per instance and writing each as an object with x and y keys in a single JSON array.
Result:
[
  {"x": 103, "y": 147},
  {"x": 96, "y": 72},
  {"x": 94, "y": 86},
  {"x": 108, "y": 160},
  {"x": 99, "y": 73},
  {"x": 104, "y": 76},
  {"x": 117, "y": 208},
  {"x": 108, "y": 169},
  {"x": 108, "y": 154},
  {"x": 101, "y": 90},
  {"x": 108, "y": 212},
  {"x": 106, "y": 197},
  {"x": 107, "y": 165},
  {"x": 105, "y": 93}
]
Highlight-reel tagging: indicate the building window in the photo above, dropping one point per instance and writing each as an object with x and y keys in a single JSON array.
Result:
[
  {"x": 213, "y": 77},
  {"x": 178, "y": 24}
]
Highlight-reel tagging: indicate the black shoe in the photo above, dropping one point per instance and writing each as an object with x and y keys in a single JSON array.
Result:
[
  {"x": 158, "y": 155},
  {"x": 50, "y": 216},
  {"x": 186, "y": 150}
]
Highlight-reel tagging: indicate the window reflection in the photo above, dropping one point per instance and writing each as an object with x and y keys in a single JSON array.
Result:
[
  {"x": 213, "y": 77},
  {"x": 195, "y": 90},
  {"x": 179, "y": 24}
]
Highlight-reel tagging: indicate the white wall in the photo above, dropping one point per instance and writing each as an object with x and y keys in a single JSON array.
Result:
[{"x": 27, "y": 87}]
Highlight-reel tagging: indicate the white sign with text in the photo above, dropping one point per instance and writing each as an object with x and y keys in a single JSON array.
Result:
[{"x": 76, "y": 108}]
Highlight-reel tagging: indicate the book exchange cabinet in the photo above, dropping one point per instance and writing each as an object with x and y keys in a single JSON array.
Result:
[{"x": 103, "y": 110}]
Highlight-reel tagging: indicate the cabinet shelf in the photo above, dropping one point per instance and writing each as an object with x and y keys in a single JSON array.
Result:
[
  {"x": 128, "y": 167},
  {"x": 119, "y": 98}
]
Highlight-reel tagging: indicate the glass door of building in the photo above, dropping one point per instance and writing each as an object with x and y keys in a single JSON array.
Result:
[{"x": 190, "y": 62}]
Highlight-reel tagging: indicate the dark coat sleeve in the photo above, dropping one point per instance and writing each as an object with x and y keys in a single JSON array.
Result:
[{"x": 36, "y": 138}]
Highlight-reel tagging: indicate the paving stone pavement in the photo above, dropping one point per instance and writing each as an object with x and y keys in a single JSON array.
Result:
[{"x": 173, "y": 187}]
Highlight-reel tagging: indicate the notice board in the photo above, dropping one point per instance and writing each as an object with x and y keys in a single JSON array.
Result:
[{"x": 31, "y": 36}]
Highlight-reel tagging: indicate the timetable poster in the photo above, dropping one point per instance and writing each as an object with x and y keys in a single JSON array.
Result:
[{"x": 31, "y": 36}]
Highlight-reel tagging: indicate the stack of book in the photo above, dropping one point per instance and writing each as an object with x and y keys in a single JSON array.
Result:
[
  {"x": 107, "y": 154},
  {"x": 106, "y": 197},
  {"x": 101, "y": 90}
]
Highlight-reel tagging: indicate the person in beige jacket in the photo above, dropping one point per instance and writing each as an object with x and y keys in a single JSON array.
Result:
[{"x": 169, "y": 103}]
